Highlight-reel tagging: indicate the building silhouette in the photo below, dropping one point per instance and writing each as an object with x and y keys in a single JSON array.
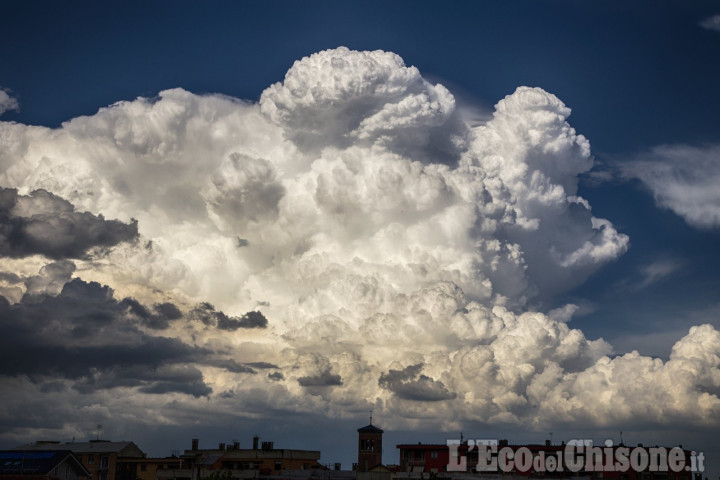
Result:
[
  {"x": 103, "y": 459},
  {"x": 44, "y": 465},
  {"x": 369, "y": 447}
]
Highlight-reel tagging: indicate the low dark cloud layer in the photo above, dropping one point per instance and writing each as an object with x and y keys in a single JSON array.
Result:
[
  {"x": 87, "y": 336},
  {"x": 45, "y": 224},
  {"x": 410, "y": 384},
  {"x": 84, "y": 335}
]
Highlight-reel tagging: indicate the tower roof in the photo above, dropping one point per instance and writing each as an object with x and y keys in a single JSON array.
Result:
[{"x": 370, "y": 429}]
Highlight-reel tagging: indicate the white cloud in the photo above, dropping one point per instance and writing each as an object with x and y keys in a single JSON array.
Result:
[
  {"x": 683, "y": 179},
  {"x": 377, "y": 231},
  {"x": 651, "y": 273},
  {"x": 563, "y": 314},
  {"x": 659, "y": 270},
  {"x": 711, "y": 23},
  {"x": 7, "y": 102}
]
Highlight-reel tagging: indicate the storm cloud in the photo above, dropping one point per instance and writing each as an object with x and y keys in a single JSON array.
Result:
[
  {"x": 84, "y": 334},
  {"x": 404, "y": 257}
]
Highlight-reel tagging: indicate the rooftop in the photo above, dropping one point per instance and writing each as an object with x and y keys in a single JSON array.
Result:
[
  {"x": 24, "y": 462},
  {"x": 370, "y": 429},
  {"x": 86, "y": 447}
]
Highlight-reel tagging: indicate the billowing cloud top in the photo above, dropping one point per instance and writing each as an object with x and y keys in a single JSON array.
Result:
[{"x": 392, "y": 249}]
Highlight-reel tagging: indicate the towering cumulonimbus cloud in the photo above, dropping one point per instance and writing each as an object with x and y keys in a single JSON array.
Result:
[{"x": 370, "y": 248}]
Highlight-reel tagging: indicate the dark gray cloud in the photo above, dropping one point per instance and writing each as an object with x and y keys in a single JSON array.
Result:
[
  {"x": 262, "y": 365},
  {"x": 410, "y": 384},
  {"x": 85, "y": 335},
  {"x": 254, "y": 319},
  {"x": 230, "y": 365},
  {"x": 43, "y": 223},
  {"x": 227, "y": 394},
  {"x": 161, "y": 379},
  {"x": 196, "y": 389},
  {"x": 168, "y": 310},
  {"x": 276, "y": 376},
  {"x": 160, "y": 316},
  {"x": 78, "y": 331},
  {"x": 206, "y": 313},
  {"x": 325, "y": 379}
]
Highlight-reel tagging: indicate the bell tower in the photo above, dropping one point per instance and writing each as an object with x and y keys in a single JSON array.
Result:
[{"x": 369, "y": 447}]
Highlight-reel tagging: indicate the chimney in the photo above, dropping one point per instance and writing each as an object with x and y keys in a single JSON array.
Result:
[
  {"x": 338, "y": 466},
  {"x": 195, "y": 443},
  {"x": 256, "y": 441},
  {"x": 221, "y": 446},
  {"x": 547, "y": 443}
]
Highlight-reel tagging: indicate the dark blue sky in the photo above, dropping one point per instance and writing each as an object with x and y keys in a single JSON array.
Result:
[{"x": 637, "y": 75}]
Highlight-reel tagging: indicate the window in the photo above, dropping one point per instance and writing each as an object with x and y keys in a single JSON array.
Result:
[
  {"x": 104, "y": 461},
  {"x": 91, "y": 459},
  {"x": 433, "y": 454},
  {"x": 367, "y": 445},
  {"x": 143, "y": 468},
  {"x": 278, "y": 465}
]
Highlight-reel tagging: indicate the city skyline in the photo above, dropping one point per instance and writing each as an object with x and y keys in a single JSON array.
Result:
[
  {"x": 499, "y": 219},
  {"x": 125, "y": 460}
]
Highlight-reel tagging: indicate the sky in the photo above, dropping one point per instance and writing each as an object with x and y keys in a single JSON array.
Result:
[{"x": 235, "y": 218}]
